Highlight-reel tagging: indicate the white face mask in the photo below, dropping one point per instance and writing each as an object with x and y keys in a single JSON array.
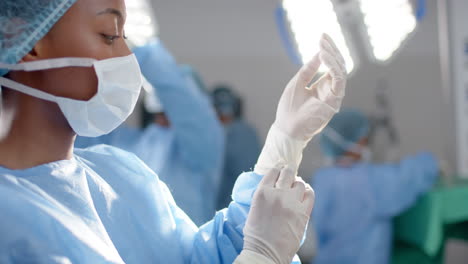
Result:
[{"x": 119, "y": 85}]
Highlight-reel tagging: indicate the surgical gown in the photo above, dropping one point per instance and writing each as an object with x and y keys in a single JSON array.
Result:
[
  {"x": 242, "y": 151},
  {"x": 106, "y": 206},
  {"x": 188, "y": 155},
  {"x": 354, "y": 207}
]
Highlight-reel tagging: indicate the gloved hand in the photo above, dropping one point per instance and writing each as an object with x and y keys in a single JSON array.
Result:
[
  {"x": 277, "y": 220},
  {"x": 304, "y": 111}
]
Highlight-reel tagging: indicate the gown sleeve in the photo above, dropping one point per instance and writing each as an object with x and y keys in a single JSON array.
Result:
[{"x": 397, "y": 186}]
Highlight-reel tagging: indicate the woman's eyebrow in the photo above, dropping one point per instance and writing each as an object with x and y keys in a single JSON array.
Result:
[{"x": 112, "y": 11}]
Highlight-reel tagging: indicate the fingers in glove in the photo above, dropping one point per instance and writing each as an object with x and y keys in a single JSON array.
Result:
[
  {"x": 314, "y": 87},
  {"x": 307, "y": 72},
  {"x": 270, "y": 178},
  {"x": 338, "y": 76},
  {"x": 309, "y": 199},
  {"x": 286, "y": 178},
  {"x": 339, "y": 64},
  {"x": 336, "y": 69},
  {"x": 299, "y": 188},
  {"x": 328, "y": 44}
]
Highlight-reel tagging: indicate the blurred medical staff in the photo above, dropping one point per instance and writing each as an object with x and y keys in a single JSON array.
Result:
[
  {"x": 242, "y": 144},
  {"x": 185, "y": 142},
  {"x": 356, "y": 200}
]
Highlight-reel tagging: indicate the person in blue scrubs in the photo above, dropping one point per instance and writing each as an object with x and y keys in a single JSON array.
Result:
[
  {"x": 184, "y": 143},
  {"x": 242, "y": 144},
  {"x": 66, "y": 70},
  {"x": 356, "y": 199}
]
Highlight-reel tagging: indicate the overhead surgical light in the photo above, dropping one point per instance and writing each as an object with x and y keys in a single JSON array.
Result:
[
  {"x": 388, "y": 23},
  {"x": 309, "y": 20},
  {"x": 141, "y": 26}
]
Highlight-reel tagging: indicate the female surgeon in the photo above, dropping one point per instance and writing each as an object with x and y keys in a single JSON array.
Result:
[{"x": 67, "y": 71}]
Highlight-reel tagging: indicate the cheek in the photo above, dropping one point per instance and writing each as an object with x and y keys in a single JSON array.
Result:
[
  {"x": 76, "y": 44},
  {"x": 74, "y": 83}
]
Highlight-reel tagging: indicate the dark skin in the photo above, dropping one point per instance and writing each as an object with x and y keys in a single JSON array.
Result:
[
  {"x": 40, "y": 133},
  {"x": 225, "y": 119},
  {"x": 162, "y": 120}
]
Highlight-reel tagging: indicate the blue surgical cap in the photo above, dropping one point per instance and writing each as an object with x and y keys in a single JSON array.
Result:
[
  {"x": 351, "y": 127},
  {"x": 23, "y": 23}
]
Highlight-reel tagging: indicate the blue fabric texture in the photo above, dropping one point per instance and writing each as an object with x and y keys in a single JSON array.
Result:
[
  {"x": 242, "y": 151},
  {"x": 188, "y": 156},
  {"x": 351, "y": 125},
  {"x": 24, "y": 23},
  {"x": 354, "y": 207},
  {"x": 106, "y": 206}
]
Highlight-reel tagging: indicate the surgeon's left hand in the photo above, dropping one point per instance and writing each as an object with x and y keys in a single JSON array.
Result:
[
  {"x": 277, "y": 220},
  {"x": 303, "y": 111}
]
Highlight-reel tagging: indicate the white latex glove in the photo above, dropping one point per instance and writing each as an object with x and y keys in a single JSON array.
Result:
[
  {"x": 277, "y": 220},
  {"x": 304, "y": 111}
]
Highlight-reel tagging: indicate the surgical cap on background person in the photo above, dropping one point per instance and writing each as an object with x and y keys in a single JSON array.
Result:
[
  {"x": 225, "y": 101},
  {"x": 24, "y": 23},
  {"x": 345, "y": 129}
]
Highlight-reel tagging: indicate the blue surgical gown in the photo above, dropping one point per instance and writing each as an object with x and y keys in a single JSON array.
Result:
[
  {"x": 242, "y": 151},
  {"x": 106, "y": 206},
  {"x": 188, "y": 156},
  {"x": 354, "y": 207}
]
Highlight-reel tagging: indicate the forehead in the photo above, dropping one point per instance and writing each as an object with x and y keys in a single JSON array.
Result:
[{"x": 98, "y": 6}]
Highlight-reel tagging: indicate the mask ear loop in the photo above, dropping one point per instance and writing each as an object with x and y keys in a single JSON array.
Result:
[{"x": 343, "y": 143}]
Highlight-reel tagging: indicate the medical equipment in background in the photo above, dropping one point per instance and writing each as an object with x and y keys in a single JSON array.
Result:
[
  {"x": 384, "y": 138},
  {"x": 372, "y": 29},
  {"x": 454, "y": 68}
]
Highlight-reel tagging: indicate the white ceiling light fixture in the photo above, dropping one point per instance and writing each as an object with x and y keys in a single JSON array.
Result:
[
  {"x": 309, "y": 20},
  {"x": 388, "y": 22},
  {"x": 141, "y": 26}
]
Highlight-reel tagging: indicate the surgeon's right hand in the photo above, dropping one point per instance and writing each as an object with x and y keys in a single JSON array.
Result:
[
  {"x": 277, "y": 220},
  {"x": 303, "y": 111}
]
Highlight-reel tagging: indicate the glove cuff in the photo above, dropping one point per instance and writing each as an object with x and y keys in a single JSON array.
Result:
[
  {"x": 251, "y": 257},
  {"x": 279, "y": 151}
]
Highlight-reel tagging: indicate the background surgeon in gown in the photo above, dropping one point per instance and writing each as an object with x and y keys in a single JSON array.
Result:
[
  {"x": 242, "y": 144},
  {"x": 185, "y": 142},
  {"x": 356, "y": 199}
]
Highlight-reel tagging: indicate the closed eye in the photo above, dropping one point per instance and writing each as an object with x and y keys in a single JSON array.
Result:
[{"x": 110, "y": 38}]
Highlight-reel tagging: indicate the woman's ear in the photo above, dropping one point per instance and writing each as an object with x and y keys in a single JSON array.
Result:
[
  {"x": 29, "y": 57},
  {"x": 36, "y": 53}
]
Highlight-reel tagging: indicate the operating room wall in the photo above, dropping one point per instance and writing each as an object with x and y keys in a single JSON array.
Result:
[{"x": 236, "y": 42}]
